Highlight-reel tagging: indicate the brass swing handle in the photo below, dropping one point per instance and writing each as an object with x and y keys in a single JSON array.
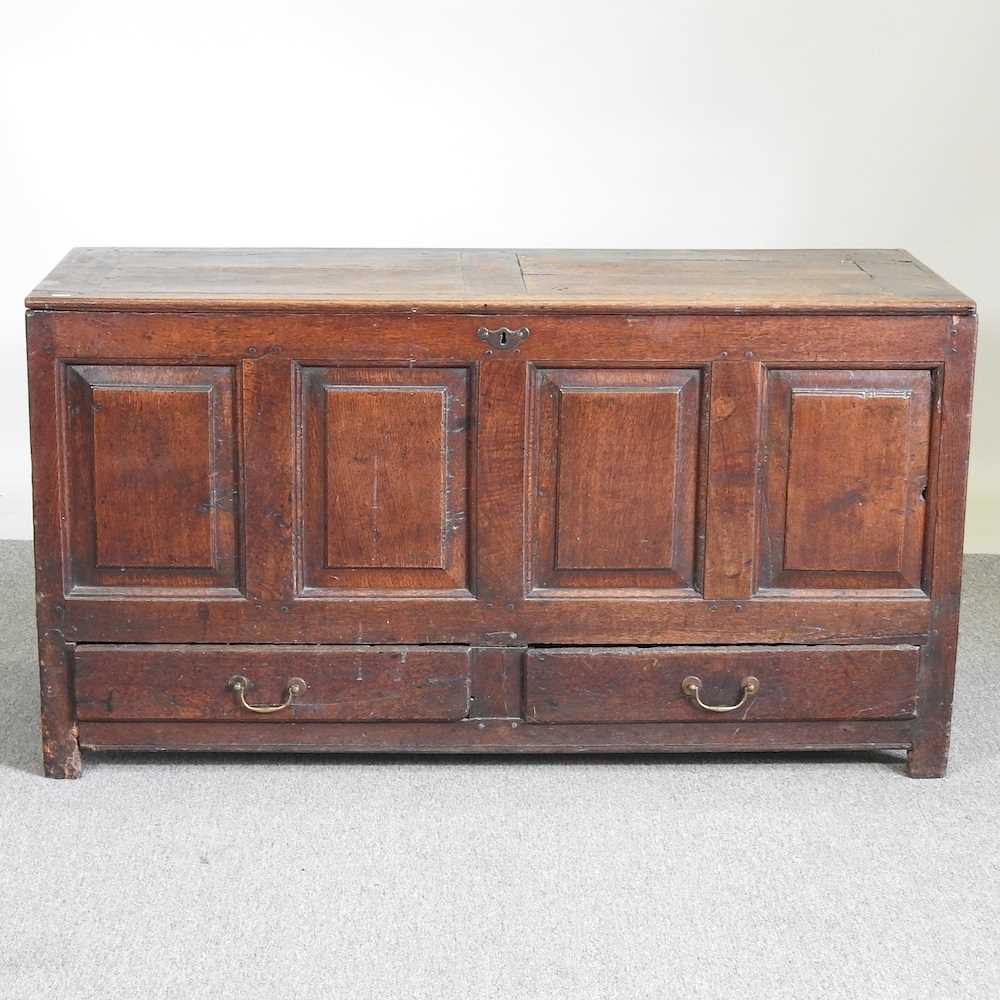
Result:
[
  {"x": 691, "y": 686},
  {"x": 238, "y": 683}
]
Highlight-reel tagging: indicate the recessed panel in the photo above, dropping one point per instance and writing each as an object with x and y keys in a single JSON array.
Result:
[
  {"x": 614, "y": 472},
  {"x": 384, "y": 478},
  {"x": 151, "y": 463},
  {"x": 846, "y": 473},
  {"x": 386, "y": 458},
  {"x": 608, "y": 517},
  {"x": 134, "y": 431}
]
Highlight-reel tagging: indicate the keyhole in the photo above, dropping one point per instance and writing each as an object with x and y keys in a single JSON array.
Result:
[{"x": 503, "y": 338}]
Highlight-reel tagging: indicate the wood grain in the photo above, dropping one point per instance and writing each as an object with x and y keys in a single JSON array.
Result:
[
  {"x": 496, "y": 280},
  {"x": 796, "y": 683},
  {"x": 733, "y": 454},
  {"x": 312, "y": 458},
  {"x": 59, "y": 730},
  {"x": 496, "y": 681},
  {"x": 488, "y": 619},
  {"x": 612, "y": 341},
  {"x": 386, "y": 462},
  {"x": 506, "y": 736},
  {"x": 932, "y": 731},
  {"x": 614, "y": 455},
  {"x": 845, "y": 474},
  {"x": 151, "y": 469},
  {"x": 617, "y": 464},
  {"x": 384, "y": 479},
  {"x": 130, "y": 425},
  {"x": 343, "y": 683}
]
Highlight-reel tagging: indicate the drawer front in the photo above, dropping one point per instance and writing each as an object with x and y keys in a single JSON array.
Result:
[
  {"x": 312, "y": 683},
  {"x": 648, "y": 685}
]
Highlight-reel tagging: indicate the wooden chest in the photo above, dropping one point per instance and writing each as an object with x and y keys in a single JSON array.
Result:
[{"x": 497, "y": 501}]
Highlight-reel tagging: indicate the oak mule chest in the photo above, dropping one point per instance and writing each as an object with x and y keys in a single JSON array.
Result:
[{"x": 497, "y": 501}]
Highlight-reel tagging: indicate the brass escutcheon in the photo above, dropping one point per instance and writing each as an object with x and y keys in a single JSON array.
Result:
[{"x": 503, "y": 337}]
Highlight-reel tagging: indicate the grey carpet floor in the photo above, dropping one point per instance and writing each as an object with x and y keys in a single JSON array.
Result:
[{"x": 829, "y": 876}]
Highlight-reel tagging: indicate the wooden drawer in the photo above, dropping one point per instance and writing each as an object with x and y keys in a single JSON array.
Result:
[
  {"x": 341, "y": 683},
  {"x": 795, "y": 683}
]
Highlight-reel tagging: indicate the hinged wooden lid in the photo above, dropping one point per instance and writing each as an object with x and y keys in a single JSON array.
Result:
[{"x": 497, "y": 281}]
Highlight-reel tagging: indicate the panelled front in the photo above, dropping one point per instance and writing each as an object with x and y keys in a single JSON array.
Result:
[
  {"x": 384, "y": 488},
  {"x": 614, "y": 469},
  {"x": 434, "y": 501},
  {"x": 418, "y": 486},
  {"x": 151, "y": 497}
]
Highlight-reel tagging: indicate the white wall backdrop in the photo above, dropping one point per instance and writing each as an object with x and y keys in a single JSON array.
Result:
[{"x": 534, "y": 123}]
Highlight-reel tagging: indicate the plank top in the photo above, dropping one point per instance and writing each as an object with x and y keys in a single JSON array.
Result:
[{"x": 497, "y": 281}]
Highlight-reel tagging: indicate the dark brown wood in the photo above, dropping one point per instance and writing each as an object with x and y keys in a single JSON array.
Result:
[
  {"x": 612, "y": 341},
  {"x": 845, "y": 475},
  {"x": 928, "y": 757},
  {"x": 496, "y": 682},
  {"x": 270, "y": 472},
  {"x": 151, "y": 467},
  {"x": 266, "y": 453},
  {"x": 614, "y": 461},
  {"x": 384, "y": 482},
  {"x": 343, "y": 683},
  {"x": 733, "y": 463},
  {"x": 498, "y": 517},
  {"x": 60, "y": 747},
  {"x": 490, "y": 619},
  {"x": 499, "y": 280},
  {"x": 797, "y": 683},
  {"x": 498, "y": 736}
]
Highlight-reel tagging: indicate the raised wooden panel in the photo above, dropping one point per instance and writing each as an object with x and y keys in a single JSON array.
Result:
[
  {"x": 151, "y": 474},
  {"x": 845, "y": 478},
  {"x": 384, "y": 453},
  {"x": 147, "y": 421},
  {"x": 614, "y": 468},
  {"x": 862, "y": 505},
  {"x": 384, "y": 484}
]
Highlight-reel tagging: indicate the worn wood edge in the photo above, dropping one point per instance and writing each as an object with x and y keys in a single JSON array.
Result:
[
  {"x": 889, "y": 341},
  {"x": 880, "y": 264},
  {"x": 60, "y": 729},
  {"x": 632, "y": 306},
  {"x": 496, "y": 736},
  {"x": 60, "y": 746},
  {"x": 579, "y": 623},
  {"x": 928, "y": 758}
]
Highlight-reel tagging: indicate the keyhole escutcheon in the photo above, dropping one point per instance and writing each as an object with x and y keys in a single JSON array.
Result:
[{"x": 502, "y": 338}]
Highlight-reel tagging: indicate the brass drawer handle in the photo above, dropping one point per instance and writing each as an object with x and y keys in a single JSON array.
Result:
[
  {"x": 239, "y": 684},
  {"x": 691, "y": 686}
]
